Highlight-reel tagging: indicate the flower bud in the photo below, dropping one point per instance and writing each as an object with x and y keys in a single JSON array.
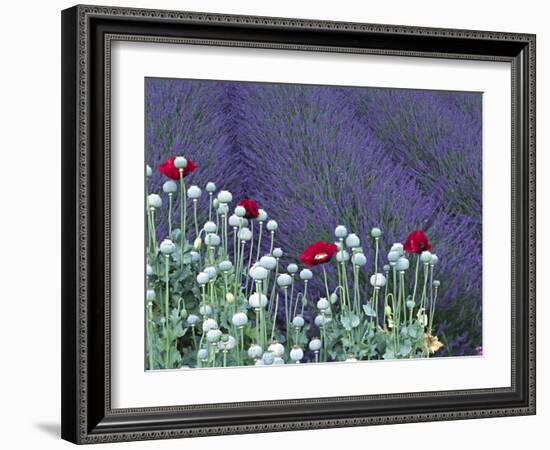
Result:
[
  {"x": 240, "y": 211},
  {"x": 272, "y": 225},
  {"x": 154, "y": 201},
  {"x": 352, "y": 240},
  {"x": 215, "y": 203},
  {"x": 170, "y": 187},
  {"x": 197, "y": 244},
  {"x": 284, "y": 280},
  {"x": 167, "y": 247},
  {"x": 376, "y": 232},
  {"x": 239, "y": 319},
  {"x": 180, "y": 162},
  {"x": 210, "y": 187},
  {"x": 387, "y": 311},
  {"x": 378, "y": 280},
  {"x": 225, "y": 197},
  {"x": 315, "y": 344},
  {"x": 230, "y": 298}
]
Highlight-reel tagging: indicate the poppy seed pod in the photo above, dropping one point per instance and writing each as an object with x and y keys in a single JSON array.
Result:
[
  {"x": 209, "y": 324},
  {"x": 203, "y": 278},
  {"x": 245, "y": 234},
  {"x": 277, "y": 349},
  {"x": 226, "y": 266},
  {"x": 434, "y": 259},
  {"x": 352, "y": 240},
  {"x": 167, "y": 247},
  {"x": 402, "y": 264},
  {"x": 150, "y": 295},
  {"x": 278, "y": 361},
  {"x": 225, "y": 197},
  {"x": 268, "y": 262},
  {"x": 194, "y": 256},
  {"x": 268, "y": 358},
  {"x": 239, "y": 319},
  {"x": 410, "y": 304},
  {"x": 315, "y": 344},
  {"x": 284, "y": 280},
  {"x": 210, "y": 227},
  {"x": 323, "y": 304},
  {"x": 277, "y": 252},
  {"x": 320, "y": 320},
  {"x": 180, "y": 162},
  {"x": 223, "y": 209},
  {"x": 240, "y": 211},
  {"x": 386, "y": 268},
  {"x": 376, "y": 232},
  {"x": 213, "y": 335},
  {"x": 272, "y": 225},
  {"x": 210, "y": 187},
  {"x": 359, "y": 259},
  {"x": 262, "y": 215},
  {"x": 148, "y": 170},
  {"x": 258, "y": 273},
  {"x": 292, "y": 268},
  {"x": 342, "y": 256},
  {"x": 212, "y": 240},
  {"x": 296, "y": 354},
  {"x": 202, "y": 354},
  {"x": 393, "y": 256},
  {"x": 192, "y": 319},
  {"x": 436, "y": 283},
  {"x": 397, "y": 247},
  {"x": 298, "y": 322},
  {"x": 154, "y": 201},
  {"x": 234, "y": 221},
  {"x": 425, "y": 257},
  {"x": 149, "y": 270},
  {"x": 340, "y": 231},
  {"x": 215, "y": 203},
  {"x": 227, "y": 342},
  {"x": 378, "y": 280},
  {"x": 170, "y": 187},
  {"x": 194, "y": 192},
  {"x": 211, "y": 272},
  {"x": 205, "y": 310},
  {"x": 255, "y": 351},
  {"x": 257, "y": 302},
  {"x": 306, "y": 274}
]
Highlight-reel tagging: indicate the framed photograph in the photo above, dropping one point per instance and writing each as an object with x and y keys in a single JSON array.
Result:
[{"x": 281, "y": 224}]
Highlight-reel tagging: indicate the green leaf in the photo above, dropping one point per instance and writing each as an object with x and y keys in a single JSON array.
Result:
[
  {"x": 369, "y": 311},
  {"x": 405, "y": 348},
  {"x": 389, "y": 355}
]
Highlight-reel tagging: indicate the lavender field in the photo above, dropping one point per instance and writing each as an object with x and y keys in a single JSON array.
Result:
[{"x": 314, "y": 158}]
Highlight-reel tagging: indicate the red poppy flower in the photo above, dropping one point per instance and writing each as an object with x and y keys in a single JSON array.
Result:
[
  {"x": 417, "y": 242},
  {"x": 167, "y": 168},
  {"x": 251, "y": 208},
  {"x": 318, "y": 253}
]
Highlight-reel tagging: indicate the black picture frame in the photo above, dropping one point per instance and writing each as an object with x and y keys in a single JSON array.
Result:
[{"x": 87, "y": 32}]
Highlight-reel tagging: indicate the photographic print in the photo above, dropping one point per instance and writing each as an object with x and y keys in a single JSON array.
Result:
[{"x": 292, "y": 224}]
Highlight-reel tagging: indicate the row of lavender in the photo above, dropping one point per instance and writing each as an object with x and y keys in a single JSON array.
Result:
[{"x": 320, "y": 156}]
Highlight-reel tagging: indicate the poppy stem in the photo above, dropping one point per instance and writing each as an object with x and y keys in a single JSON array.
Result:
[
  {"x": 170, "y": 195},
  {"x": 259, "y": 241},
  {"x": 326, "y": 282}
]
